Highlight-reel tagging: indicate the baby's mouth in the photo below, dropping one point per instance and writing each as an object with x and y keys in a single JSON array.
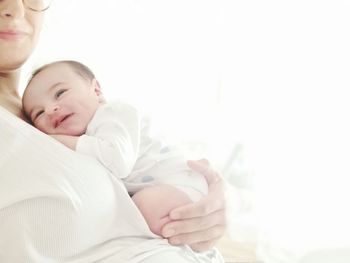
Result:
[{"x": 59, "y": 121}]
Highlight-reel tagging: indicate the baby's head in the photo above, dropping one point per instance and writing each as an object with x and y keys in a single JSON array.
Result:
[{"x": 62, "y": 97}]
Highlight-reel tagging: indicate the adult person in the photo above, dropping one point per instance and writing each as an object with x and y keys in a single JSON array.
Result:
[{"x": 59, "y": 206}]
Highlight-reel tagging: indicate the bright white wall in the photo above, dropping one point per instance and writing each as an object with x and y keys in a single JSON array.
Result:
[
  {"x": 165, "y": 56},
  {"x": 272, "y": 74}
]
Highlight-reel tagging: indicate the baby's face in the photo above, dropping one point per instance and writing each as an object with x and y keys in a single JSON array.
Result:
[{"x": 59, "y": 101}]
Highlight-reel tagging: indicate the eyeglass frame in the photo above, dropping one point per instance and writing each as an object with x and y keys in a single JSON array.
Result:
[{"x": 35, "y": 10}]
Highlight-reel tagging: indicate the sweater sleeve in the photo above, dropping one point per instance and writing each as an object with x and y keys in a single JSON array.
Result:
[{"x": 113, "y": 138}]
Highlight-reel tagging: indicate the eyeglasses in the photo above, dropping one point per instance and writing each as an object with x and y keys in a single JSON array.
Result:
[{"x": 37, "y": 5}]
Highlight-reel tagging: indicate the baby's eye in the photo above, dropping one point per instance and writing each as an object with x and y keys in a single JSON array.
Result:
[
  {"x": 59, "y": 93},
  {"x": 38, "y": 114}
]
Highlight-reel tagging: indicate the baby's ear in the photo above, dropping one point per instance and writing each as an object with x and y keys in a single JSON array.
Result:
[{"x": 97, "y": 87}]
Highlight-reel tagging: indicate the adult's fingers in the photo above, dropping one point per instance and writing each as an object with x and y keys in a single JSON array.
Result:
[
  {"x": 203, "y": 167},
  {"x": 214, "y": 201},
  {"x": 209, "y": 235},
  {"x": 194, "y": 224}
]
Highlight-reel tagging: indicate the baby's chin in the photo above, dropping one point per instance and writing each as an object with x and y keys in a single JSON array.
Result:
[{"x": 71, "y": 132}]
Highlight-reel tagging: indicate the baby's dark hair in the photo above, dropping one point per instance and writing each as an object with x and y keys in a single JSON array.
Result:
[{"x": 78, "y": 67}]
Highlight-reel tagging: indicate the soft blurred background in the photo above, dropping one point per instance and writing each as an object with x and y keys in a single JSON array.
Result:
[{"x": 258, "y": 87}]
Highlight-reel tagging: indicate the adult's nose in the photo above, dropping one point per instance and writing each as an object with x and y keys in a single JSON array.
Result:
[{"x": 11, "y": 9}]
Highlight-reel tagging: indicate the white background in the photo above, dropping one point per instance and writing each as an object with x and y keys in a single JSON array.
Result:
[{"x": 273, "y": 75}]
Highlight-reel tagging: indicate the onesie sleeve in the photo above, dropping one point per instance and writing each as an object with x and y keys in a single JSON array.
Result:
[{"x": 113, "y": 138}]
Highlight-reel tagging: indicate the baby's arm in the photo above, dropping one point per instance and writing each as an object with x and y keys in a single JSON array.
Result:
[
  {"x": 156, "y": 202},
  {"x": 113, "y": 138}
]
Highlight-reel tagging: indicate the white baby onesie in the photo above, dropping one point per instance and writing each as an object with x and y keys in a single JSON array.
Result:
[{"x": 118, "y": 136}]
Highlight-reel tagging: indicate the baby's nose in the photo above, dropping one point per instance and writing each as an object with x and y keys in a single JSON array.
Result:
[{"x": 53, "y": 109}]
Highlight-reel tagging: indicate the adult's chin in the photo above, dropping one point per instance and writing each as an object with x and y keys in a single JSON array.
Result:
[
  {"x": 11, "y": 63},
  {"x": 12, "y": 59}
]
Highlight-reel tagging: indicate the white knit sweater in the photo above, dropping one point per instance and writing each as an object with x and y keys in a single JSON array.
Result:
[{"x": 57, "y": 205}]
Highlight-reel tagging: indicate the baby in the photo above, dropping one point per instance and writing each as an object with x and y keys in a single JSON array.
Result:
[{"x": 64, "y": 99}]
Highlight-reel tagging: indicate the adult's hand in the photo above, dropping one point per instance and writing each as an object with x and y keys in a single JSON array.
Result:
[{"x": 200, "y": 225}]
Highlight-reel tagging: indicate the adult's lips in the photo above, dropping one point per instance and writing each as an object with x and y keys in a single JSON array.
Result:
[{"x": 12, "y": 34}]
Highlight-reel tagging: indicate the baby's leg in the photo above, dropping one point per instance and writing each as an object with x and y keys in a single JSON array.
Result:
[{"x": 155, "y": 203}]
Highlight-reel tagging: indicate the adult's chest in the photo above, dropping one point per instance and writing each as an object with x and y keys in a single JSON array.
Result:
[{"x": 58, "y": 201}]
